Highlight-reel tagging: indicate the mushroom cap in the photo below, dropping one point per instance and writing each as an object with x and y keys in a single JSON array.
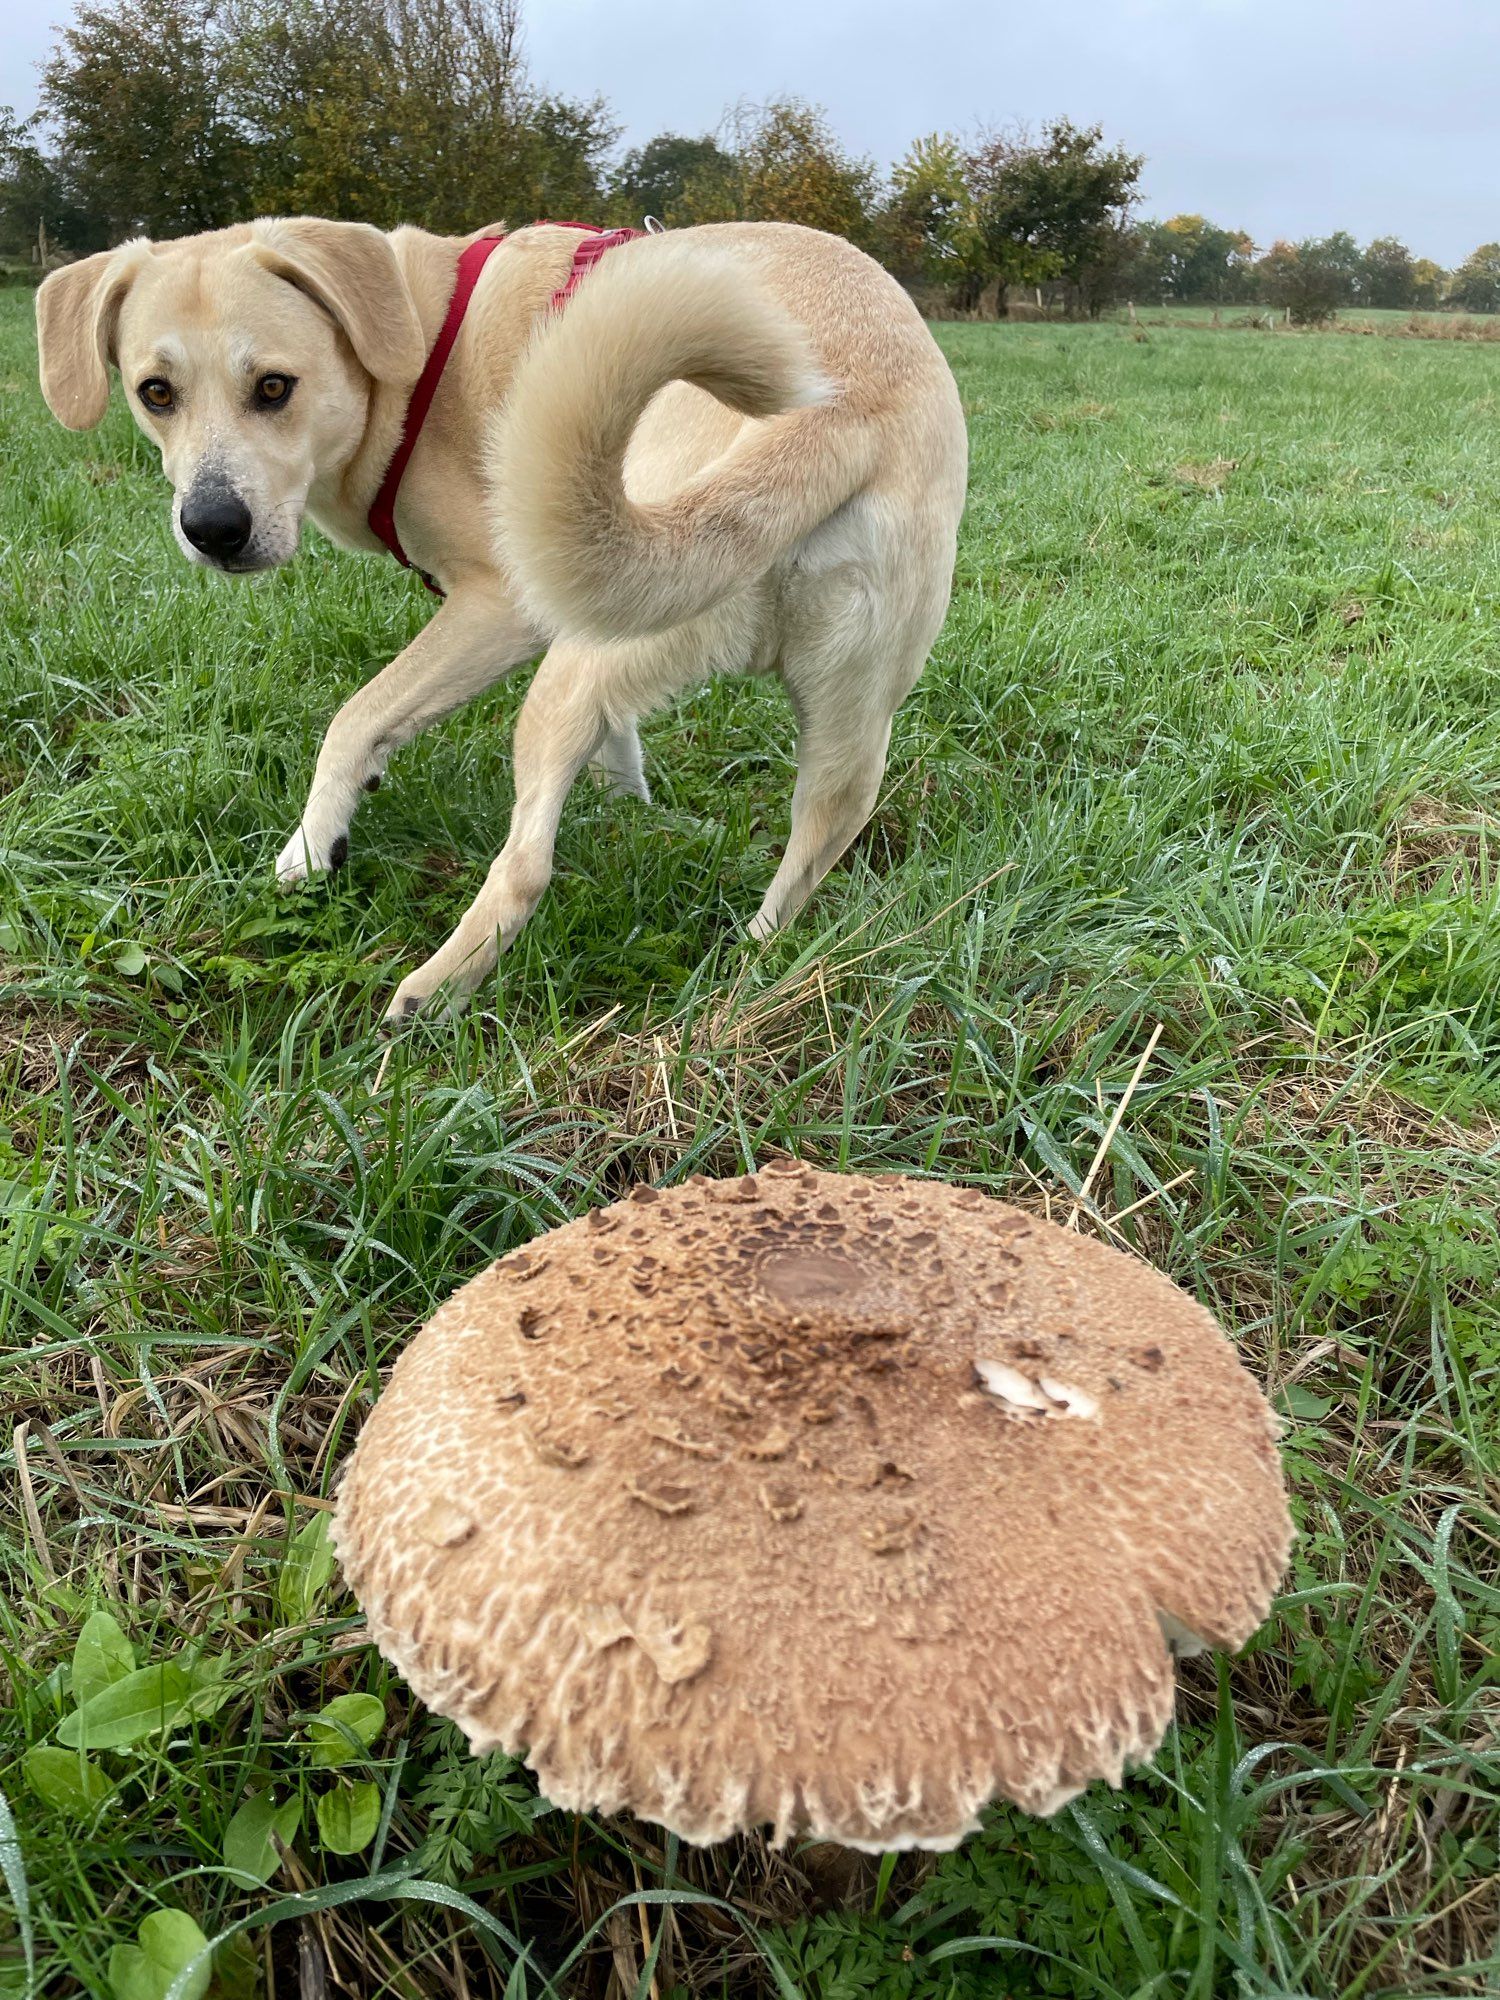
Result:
[{"x": 835, "y": 1503}]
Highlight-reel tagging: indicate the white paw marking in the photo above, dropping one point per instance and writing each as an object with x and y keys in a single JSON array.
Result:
[{"x": 305, "y": 855}]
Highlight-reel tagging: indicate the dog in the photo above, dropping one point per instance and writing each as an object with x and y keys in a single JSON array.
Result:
[{"x": 735, "y": 448}]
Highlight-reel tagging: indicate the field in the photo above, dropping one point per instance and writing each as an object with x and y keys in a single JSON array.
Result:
[
  {"x": 1210, "y": 746},
  {"x": 1354, "y": 319}
]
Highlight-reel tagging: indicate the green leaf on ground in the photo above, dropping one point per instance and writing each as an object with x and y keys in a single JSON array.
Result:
[
  {"x": 345, "y": 1728},
  {"x": 102, "y": 1656},
  {"x": 70, "y": 1784},
  {"x": 250, "y": 1851},
  {"x": 306, "y": 1571},
  {"x": 169, "y": 1941},
  {"x": 139, "y": 1705},
  {"x": 348, "y": 1817}
]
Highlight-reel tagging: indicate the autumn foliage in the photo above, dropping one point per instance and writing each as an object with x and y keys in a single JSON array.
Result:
[{"x": 167, "y": 116}]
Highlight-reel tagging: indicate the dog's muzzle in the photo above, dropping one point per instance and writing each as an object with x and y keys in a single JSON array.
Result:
[{"x": 217, "y": 523}]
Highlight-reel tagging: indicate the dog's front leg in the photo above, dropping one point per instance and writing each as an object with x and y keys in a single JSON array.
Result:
[
  {"x": 475, "y": 638},
  {"x": 562, "y": 724}
]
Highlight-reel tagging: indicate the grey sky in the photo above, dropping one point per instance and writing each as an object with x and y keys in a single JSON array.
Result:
[{"x": 1284, "y": 117}]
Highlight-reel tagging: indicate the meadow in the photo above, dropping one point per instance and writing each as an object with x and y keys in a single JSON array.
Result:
[
  {"x": 1205, "y": 771},
  {"x": 1349, "y": 322}
]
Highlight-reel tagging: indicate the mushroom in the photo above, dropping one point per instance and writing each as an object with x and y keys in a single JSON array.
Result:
[{"x": 837, "y": 1503}]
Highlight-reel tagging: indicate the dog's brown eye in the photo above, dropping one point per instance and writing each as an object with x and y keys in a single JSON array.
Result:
[
  {"x": 273, "y": 389},
  {"x": 156, "y": 394}
]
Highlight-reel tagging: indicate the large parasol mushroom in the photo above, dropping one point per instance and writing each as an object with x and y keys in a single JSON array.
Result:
[{"x": 838, "y": 1504}]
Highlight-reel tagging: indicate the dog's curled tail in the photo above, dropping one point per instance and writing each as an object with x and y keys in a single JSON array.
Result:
[{"x": 587, "y": 560}]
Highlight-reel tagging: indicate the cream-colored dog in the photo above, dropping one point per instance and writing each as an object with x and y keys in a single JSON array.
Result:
[{"x": 736, "y": 449}]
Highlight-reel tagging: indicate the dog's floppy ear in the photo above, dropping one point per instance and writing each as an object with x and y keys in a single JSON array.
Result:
[
  {"x": 77, "y": 311},
  {"x": 351, "y": 270}
]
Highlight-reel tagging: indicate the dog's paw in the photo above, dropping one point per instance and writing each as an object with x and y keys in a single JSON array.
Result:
[
  {"x": 441, "y": 988},
  {"x": 421, "y": 993},
  {"x": 305, "y": 855},
  {"x": 404, "y": 1007}
]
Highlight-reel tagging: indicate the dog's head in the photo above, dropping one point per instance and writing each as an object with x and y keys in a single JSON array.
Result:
[{"x": 248, "y": 355}]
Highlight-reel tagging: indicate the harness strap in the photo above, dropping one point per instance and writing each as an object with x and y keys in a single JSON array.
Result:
[
  {"x": 382, "y": 515},
  {"x": 587, "y": 255}
]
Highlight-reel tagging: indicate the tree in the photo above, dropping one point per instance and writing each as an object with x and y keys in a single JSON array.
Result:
[
  {"x": 1055, "y": 209},
  {"x": 1190, "y": 260},
  {"x": 783, "y": 164},
  {"x": 318, "y": 92},
  {"x": 390, "y": 111},
  {"x": 792, "y": 169},
  {"x": 137, "y": 90},
  {"x": 1388, "y": 275},
  {"x": 174, "y": 115},
  {"x": 1308, "y": 278},
  {"x": 1340, "y": 257},
  {"x": 652, "y": 179},
  {"x": 556, "y": 158},
  {"x": 714, "y": 191},
  {"x": 1475, "y": 286},
  {"x": 926, "y": 231},
  {"x": 38, "y": 202},
  {"x": 1429, "y": 283}
]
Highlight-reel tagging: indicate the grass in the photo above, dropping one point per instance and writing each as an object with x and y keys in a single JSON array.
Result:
[
  {"x": 1210, "y": 741},
  {"x": 1422, "y": 322}
]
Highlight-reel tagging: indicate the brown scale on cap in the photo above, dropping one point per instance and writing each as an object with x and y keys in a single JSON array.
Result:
[{"x": 838, "y": 1504}]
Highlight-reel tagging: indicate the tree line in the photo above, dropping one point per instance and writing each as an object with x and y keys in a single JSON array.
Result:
[{"x": 167, "y": 116}]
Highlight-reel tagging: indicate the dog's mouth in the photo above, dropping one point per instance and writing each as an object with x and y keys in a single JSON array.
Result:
[
  {"x": 246, "y": 565},
  {"x": 252, "y": 560}
]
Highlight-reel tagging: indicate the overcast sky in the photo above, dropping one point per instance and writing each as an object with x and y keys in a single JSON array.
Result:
[{"x": 1283, "y": 117}]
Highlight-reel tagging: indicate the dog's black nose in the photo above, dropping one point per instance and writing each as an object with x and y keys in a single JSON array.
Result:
[{"x": 217, "y": 523}]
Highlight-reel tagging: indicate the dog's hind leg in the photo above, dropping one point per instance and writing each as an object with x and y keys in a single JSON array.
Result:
[
  {"x": 474, "y": 639},
  {"x": 846, "y": 682},
  {"x": 839, "y": 769},
  {"x": 618, "y": 764}
]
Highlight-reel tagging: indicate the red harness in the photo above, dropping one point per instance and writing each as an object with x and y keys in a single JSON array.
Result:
[{"x": 382, "y": 515}]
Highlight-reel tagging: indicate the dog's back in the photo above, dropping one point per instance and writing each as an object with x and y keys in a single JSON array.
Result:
[{"x": 625, "y": 506}]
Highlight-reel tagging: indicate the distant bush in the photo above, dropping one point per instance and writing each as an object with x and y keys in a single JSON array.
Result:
[{"x": 1311, "y": 279}]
